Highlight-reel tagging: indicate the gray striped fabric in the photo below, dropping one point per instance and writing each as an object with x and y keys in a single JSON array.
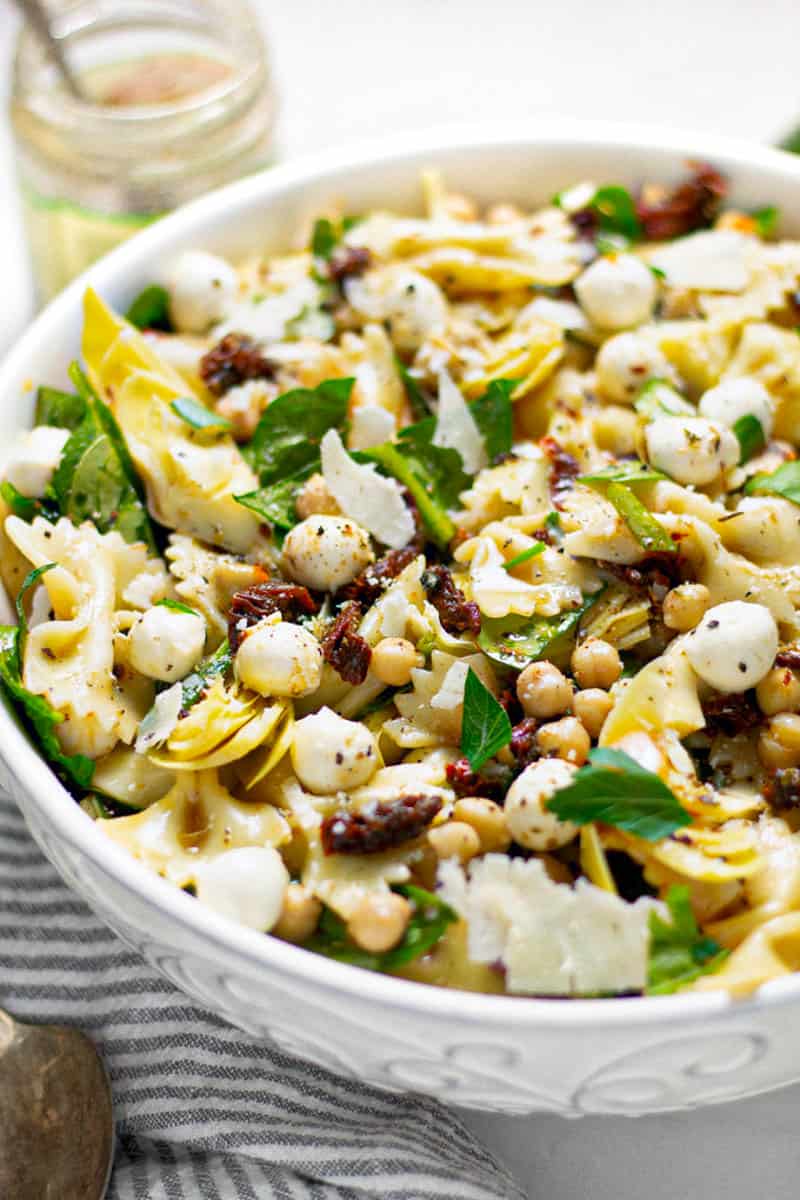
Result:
[{"x": 202, "y": 1109}]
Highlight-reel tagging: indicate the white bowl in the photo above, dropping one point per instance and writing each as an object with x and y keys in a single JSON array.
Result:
[{"x": 487, "y": 1052}]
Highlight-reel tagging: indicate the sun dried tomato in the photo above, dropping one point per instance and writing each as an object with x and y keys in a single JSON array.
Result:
[
  {"x": 367, "y": 587},
  {"x": 788, "y": 657},
  {"x": 523, "y": 741},
  {"x": 564, "y": 468},
  {"x": 236, "y": 359},
  {"x": 253, "y": 604},
  {"x": 731, "y": 714},
  {"x": 655, "y": 575},
  {"x": 379, "y": 826},
  {"x": 693, "y": 204},
  {"x": 347, "y": 261},
  {"x": 342, "y": 646},
  {"x": 457, "y": 614}
]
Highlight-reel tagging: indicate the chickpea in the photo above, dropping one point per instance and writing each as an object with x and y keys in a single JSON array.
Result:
[
  {"x": 243, "y": 408},
  {"x": 543, "y": 691},
  {"x": 379, "y": 921},
  {"x": 503, "y": 214},
  {"x": 778, "y": 692},
  {"x": 685, "y": 606},
  {"x": 393, "y": 660},
  {"x": 460, "y": 207},
  {"x": 591, "y": 707},
  {"x": 299, "y": 915},
  {"x": 596, "y": 664},
  {"x": 487, "y": 819},
  {"x": 455, "y": 839},
  {"x": 566, "y": 739},
  {"x": 314, "y": 498},
  {"x": 779, "y": 743}
]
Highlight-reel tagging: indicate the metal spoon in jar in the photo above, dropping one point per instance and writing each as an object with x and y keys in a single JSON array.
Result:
[
  {"x": 56, "y": 1122},
  {"x": 37, "y": 17}
]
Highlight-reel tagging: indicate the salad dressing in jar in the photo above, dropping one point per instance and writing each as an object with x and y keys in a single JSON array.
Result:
[{"x": 178, "y": 101}]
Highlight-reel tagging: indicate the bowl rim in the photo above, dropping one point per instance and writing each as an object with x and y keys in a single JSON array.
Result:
[{"x": 64, "y": 817}]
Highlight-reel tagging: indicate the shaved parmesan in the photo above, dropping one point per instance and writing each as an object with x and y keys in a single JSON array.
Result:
[
  {"x": 375, "y": 502},
  {"x": 456, "y": 428},
  {"x": 162, "y": 718},
  {"x": 554, "y": 940},
  {"x": 714, "y": 261},
  {"x": 369, "y": 426}
]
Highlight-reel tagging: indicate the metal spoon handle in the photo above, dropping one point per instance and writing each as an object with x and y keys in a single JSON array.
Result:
[{"x": 37, "y": 17}]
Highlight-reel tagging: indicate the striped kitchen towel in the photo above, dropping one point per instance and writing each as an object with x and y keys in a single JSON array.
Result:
[{"x": 204, "y": 1111}]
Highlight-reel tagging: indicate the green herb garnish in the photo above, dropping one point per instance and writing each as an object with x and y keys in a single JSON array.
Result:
[
  {"x": 783, "y": 482},
  {"x": 616, "y": 212},
  {"x": 614, "y": 789},
  {"x": 658, "y": 398},
  {"x": 63, "y": 409},
  {"x": 428, "y": 923},
  {"x": 176, "y": 606},
  {"x": 766, "y": 220},
  {"x": 679, "y": 952},
  {"x": 287, "y": 437},
  {"x": 195, "y": 686},
  {"x": 150, "y": 309},
  {"x": 642, "y": 524},
  {"x": 525, "y": 555},
  {"x": 198, "y": 416},
  {"x": 324, "y": 238},
  {"x": 485, "y": 727},
  {"x": 624, "y": 472},
  {"x": 750, "y": 432}
]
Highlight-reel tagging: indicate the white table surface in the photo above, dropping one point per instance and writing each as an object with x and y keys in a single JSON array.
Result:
[{"x": 355, "y": 68}]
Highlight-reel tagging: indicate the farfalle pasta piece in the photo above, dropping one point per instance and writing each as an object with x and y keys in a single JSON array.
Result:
[{"x": 207, "y": 579}]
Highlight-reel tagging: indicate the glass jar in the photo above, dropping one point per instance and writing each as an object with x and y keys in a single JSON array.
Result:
[{"x": 179, "y": 99}]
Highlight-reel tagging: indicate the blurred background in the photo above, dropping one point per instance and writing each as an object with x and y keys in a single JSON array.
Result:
[{"x": 353, "y": 69}]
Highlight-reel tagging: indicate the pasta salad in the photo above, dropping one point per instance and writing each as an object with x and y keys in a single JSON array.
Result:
[{"x": 429, "y": 596}]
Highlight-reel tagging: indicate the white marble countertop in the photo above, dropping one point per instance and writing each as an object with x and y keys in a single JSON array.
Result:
[{"x": 355, "y": 68}]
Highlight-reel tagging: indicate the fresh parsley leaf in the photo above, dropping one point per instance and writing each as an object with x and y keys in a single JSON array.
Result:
[
  {"x": 194, "y": 686},
  {"x": 150, "y": 309},
  {"x": 485, "y": 727},
  {"x": 324, "y": 238},
  {"x": 525, "y": 555},
  {"x": 750, "y": 433},
  {"x": 44, "y": 719},
  {"x": 176, "y": 606},
  {"x": 516, "y": 641},
  {"x": 287, "y": 437},
  {"x": 429, "y": 921},
  {"x": 679, "y": 952},
  {"x": 198, "y": 416},
  {"x": 642, "y": 524},
  {"x": 616, "y": 212},
  {"x": 493, "y": 413},
  {"x": 658, "y": 397},
  {"x": 614, "y": 789},
  {"x": 624, "y": 472},
  {"x": 419, "y": 401},
  {"x": 63, "y": 409},
  {"x": 766, "y": 220},
  {"x": 783, "y": 482},
  {"x": 95, "y": 478}
]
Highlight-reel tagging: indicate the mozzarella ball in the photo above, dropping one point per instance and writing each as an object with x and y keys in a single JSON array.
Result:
[
  {"x": 247, "y": 884},
  {"x": 618, "y": 292},
  {"x": 165, "y": 643},
  {"x": 278, "y": 658},
  {"x": 529, "y": 822},
  {"x": 330, "y": 754},
  {"x": 326, "y": 552},
  {"x": 34, "y": 458},
  {"x": 691, "y": 449},
  {"x": 734, "y": 646},
  {"x": 735, "y": 398},
  {"x": 412, "y": 306},
  {"x": 625, "y": 363},
  {"x": 202, "y": 287}
]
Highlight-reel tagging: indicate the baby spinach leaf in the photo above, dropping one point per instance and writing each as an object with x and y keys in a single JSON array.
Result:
[
  {"x": 276, "y": 501},
  {"x": 44, "y": 719},
  {"x": 679, "y": 952},
  {"x": 614, "y": 789},
  {"x": 25, "y": 507},
  {"x": 493, "y": 413},
  {"x": 63, "y": 409},
  {"x": 419, "y": 401},
  {"x": 429, "y": 921},
  {"x": 783, "y": 482},
  {"x": 198, "y": 416},
  {"x": 287, "y": 437},
  {"x": 516, "y": 641},
  {"x": 432, "y": 474},
  {"x": 150, "y": 309},
  {"x": 485, "y": 727},
  {"x": 750, "y": 433},
  {"x": 194, "y": 686}
]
